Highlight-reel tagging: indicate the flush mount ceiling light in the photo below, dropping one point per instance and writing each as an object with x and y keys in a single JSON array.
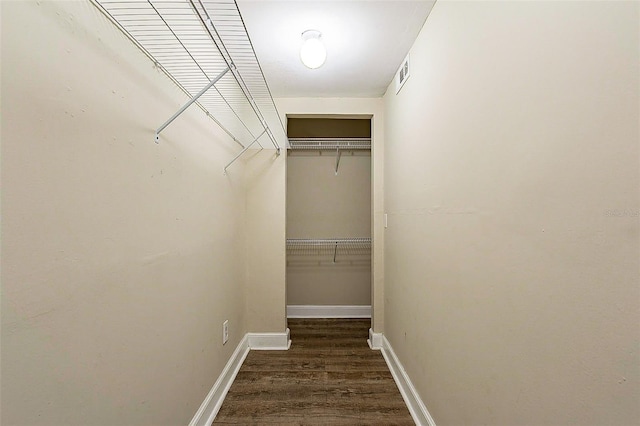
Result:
[{"x": 312, "y": 53}]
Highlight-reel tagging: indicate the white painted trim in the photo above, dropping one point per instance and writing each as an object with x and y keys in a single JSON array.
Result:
[
  {"x": 416, "y": 407},
  {"x": 375, "y": 340},
  {"x": 212, "y": 403},
  {"x": 269, "y": 341},
  {"x": 328, "y": 311}
]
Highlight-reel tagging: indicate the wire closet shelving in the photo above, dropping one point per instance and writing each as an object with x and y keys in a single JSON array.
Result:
[
  {"x": 329, "y": 247},
  {"x": 323, "y": 144},
  {"x": 330, "y": 144},
  {"x": 204, "y": 47}
]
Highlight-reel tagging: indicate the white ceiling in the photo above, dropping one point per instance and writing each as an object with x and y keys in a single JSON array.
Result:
[{"x": 366, "y": 41}]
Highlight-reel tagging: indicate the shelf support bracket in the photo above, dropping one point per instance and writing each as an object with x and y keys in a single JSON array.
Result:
[
  {"x": 337, "y": 159},
  {"x": 188, "y": 104},
  {"x": 335, "y": 252},
  {"x": 243, "y": 151}
]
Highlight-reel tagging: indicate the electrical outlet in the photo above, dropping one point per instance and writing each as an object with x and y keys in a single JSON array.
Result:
[{"x": 225, "y": 331}]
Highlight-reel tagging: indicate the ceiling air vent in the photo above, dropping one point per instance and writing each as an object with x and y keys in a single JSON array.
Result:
[{"x": 403, "y": 74}]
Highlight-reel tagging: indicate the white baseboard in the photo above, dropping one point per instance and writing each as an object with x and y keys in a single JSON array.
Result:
[
  {"x": 374, "y": 340},
  {"x": 251, "y": 341},
  {"x": 281, "y": 341},
  {"x": 328, "y": 311},
  {"x": 416, "y": 407},
  {"x": 212, "y": 403},
  {"x": 269, "y": 341}
]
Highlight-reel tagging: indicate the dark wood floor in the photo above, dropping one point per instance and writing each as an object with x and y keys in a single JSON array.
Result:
[{"x": 329, "y": 376}]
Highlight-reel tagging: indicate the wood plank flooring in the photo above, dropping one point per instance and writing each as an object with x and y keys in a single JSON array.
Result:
[{"x": 329, "y": 376}]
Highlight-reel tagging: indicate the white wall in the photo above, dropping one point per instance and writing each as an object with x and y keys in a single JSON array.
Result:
[
  {"x": 512, "y": 291},
  {"x": 120, "y": 257},
  {"x": 265, "y": 233},
  {"x": 358, "y": 108}
]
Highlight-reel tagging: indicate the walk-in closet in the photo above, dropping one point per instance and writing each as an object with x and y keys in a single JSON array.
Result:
[
  {"x": 314, "y": 212},
  {"x": 329, "y": 217}
]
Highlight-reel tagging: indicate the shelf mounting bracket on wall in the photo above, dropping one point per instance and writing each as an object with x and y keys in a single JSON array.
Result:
[
  {"x": 196, "y": 43},
  {"x": 189, "y": 103},
  {"x": 245, "y": 150},
  {"x": 337, "y": 159}
]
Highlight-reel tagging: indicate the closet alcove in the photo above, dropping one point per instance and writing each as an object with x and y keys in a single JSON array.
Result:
[{"x": 328, "y": 217}]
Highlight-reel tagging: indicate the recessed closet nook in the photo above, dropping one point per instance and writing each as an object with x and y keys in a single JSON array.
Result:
[{"x": 328, "y": 217}]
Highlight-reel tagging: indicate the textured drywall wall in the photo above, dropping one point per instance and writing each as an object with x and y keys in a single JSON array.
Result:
[
  {"x": 512, "y": 175},
  {"x": 265, "y": 233},
  {"x": 358, "y": 108},
  {"x": 323, "y": 204},
  {"x": 120, "y": 257}
]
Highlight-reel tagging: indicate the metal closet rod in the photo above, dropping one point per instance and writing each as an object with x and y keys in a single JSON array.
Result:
[{"x": 233, "y": 69}]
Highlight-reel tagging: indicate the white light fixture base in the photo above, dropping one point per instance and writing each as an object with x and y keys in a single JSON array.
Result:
[{"x": 313, "y": 54}]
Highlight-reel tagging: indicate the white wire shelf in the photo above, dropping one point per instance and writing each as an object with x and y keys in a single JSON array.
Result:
[
  {"x": 334, "y": 247},
  {"x": 333, "y": 144},
  {"x": 203, "y": 46},
  {"x": 330, "y": 144}
]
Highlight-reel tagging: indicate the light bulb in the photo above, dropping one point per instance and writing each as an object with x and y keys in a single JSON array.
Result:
[{"x": 312, "y": 53}]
